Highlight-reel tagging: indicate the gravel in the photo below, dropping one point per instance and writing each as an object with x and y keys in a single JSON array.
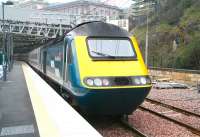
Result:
[
  {"x": 109, "y": 127},
  {"x": 183, "y": 98},
  {"x": 190, "y": 120},
  {"x": 154, "y": 126}
]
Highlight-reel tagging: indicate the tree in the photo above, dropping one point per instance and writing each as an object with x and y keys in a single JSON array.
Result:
[
  {"x": 141, "y": 7},
  {"x": 189, "y": 57}
]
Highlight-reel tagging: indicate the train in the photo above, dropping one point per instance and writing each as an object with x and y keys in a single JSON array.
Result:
[{"x": 99, "y": 67}]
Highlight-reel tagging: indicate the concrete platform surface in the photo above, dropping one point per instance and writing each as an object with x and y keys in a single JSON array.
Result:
[
  {"x": 29, "y": 107},
  {"x": 54, "y": 116},
  {"x": 16, "y": 112}
]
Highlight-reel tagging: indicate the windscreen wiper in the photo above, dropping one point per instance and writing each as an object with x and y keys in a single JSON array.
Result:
[{"x": 103, "y": 54}]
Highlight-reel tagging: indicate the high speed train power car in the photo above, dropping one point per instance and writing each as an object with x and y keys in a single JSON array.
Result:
[{"x": 99, "y": 66}]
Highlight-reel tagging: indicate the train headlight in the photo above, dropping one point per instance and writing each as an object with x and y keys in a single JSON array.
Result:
[
  {"x": 98, "y": 82},
  {"x": 105, "y": 82},
  {"x": 112, "y": 81},
  {"x": 143, "y": 80},
  {"x": 137, "y": 81},
  {"x": 90, "y": 82}
]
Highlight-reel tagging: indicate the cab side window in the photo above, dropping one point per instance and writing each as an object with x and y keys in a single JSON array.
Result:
[{"x": 69, "y": 52}]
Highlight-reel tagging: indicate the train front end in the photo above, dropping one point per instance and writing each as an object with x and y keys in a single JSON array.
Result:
[{"x": 111, "y": 77}]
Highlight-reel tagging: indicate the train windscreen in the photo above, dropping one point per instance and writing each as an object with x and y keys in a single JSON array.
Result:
[{"x": 111, "y": 48}]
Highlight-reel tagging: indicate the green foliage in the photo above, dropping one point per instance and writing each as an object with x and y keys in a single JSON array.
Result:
[
  {"x": 172, "y": 10},
  {"x": 191, "y": 16},
  {"x": 176, "y": 20},
  {"x": 189, "y": 56}
]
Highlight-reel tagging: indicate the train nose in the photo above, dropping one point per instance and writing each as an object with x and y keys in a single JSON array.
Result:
[{"x": 112, "y": 101}]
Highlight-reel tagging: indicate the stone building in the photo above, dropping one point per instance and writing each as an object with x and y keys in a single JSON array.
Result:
[
  {"x": 31, "y": 4},
  {"x": 87, "y": 8}
]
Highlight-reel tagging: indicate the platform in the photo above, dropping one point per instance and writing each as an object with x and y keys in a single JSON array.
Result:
[
  {"x": 16, "y": 111},
  {"x": 29, "y": 107}
]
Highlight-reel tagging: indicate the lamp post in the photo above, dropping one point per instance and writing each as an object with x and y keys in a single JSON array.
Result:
[
  {"x": 147, "y": 36},
  {"x": 4, "y": 42}
]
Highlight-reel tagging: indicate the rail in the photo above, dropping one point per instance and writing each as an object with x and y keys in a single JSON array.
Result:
[
  {"x": 172, "y": 107},
  {"x": 125, "y": 123},
  {"x": 174, "y": 120}
]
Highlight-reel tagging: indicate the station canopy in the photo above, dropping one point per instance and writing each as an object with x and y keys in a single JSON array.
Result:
[{"x": 31, "y": 28}]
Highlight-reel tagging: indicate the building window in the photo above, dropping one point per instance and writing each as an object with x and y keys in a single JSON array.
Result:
[
  {"x": 102, "y": 12},
  {"x": 82, "y": 10},
  {"x": 124, "y": 23}
]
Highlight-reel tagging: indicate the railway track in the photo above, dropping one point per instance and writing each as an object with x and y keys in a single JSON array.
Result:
[
  {"x": 110, "y": 126},
  {"x": 127, "y": 125},
  {"x": 174, "y": 109}
]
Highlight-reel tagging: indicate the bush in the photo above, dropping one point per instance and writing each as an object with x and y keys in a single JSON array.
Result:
[{"x": 189, "y": 56}]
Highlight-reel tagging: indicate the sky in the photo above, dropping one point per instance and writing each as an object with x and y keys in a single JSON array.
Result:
[{"x": 119, "y": 3}]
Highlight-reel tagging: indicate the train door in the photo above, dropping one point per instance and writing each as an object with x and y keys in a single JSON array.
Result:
[{"x": 44, "y": 62}]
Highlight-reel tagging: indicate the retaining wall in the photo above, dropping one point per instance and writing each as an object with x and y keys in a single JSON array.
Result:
[{"x": 186, "y": 76}]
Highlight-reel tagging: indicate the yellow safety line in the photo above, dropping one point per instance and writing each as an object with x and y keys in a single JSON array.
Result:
[{"x": 44, "y": 123}]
